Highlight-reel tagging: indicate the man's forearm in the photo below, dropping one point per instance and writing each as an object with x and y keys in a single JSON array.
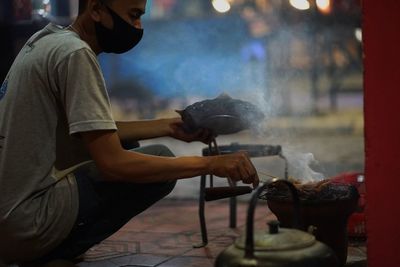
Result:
[
  {"x": 115, "y": 163},
  {"x": 141, "y": 168},
  {"x": 140, "y": 130}
]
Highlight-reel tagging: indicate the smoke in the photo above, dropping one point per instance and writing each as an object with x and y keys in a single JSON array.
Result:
[{"x": 299, "y": 166}]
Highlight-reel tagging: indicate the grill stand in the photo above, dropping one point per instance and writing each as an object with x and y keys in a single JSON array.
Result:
[{"x": 253, "y": 151}]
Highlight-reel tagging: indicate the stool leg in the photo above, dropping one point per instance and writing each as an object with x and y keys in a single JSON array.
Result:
[{"x": 202, "y": 218}]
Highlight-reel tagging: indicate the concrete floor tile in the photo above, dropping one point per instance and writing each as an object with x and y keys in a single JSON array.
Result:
[
  {"x": 148, "y": 260},
  {"x": 212, "y": 249},
  {"x": 188, "y": 262},
  {"x": 102, "y": 263},
  {"x": 110, "y": 249}
]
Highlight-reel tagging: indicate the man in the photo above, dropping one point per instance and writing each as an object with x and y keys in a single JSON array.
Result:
[{"x": 65, "y": 181}]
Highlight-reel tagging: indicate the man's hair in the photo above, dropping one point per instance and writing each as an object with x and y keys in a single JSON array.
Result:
[{"x": 83, "y": 4}]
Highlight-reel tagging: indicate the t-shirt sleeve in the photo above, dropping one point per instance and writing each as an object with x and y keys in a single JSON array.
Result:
[{"x": 83, "y": 94}]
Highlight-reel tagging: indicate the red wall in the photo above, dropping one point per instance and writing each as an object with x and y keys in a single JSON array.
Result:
[{"x": 381, "y": 34}]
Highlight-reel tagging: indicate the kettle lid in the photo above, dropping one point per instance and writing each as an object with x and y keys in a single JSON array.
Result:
[{"x": 278, "y": 239}]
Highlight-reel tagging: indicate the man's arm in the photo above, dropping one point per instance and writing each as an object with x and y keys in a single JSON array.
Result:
[
  {"x": 117, "y": 164},
  {"x": 146, "y": 129},
  {"x": 172, "y": 127}
]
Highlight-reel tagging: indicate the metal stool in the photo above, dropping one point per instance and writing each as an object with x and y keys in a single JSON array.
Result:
[{"x": 253, "y": 151}]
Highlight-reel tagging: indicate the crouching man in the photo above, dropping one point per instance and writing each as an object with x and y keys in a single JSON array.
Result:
[{"x": 66, "y": 183}]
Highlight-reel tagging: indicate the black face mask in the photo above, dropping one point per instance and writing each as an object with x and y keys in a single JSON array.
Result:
[{"x": 120, "y": 39}]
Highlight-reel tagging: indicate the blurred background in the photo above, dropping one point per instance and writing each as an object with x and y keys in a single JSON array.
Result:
[{"x": 299, "y": 60}]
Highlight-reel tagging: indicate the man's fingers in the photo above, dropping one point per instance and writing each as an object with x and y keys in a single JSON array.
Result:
[
  {"x": 251, "y": 170},
  {"x": 238, "y": 167},
  {"x": 246, "y": 170},
  {"x": 256, "y": 181},
  {"x": 244, "y": 174},
  {"x": 201, "y": 135}
]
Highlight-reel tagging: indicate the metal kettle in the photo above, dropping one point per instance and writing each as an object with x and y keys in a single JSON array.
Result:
[{"x": 280, "y": 247}]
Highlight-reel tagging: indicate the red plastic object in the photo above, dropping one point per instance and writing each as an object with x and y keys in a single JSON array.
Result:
[{"x": 356, "y": 223}]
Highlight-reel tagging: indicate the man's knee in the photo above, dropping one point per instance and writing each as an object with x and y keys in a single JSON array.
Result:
[
  {"x": 169, "y": 186},
  {"x": 161, "y": 190},
  {"x": 164, "y": 151}
]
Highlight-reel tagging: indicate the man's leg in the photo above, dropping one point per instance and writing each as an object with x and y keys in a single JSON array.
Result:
[{"x": 106, "y": 206}]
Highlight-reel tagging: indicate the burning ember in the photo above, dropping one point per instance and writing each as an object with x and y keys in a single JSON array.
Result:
[{"x": 324, "y": 190}]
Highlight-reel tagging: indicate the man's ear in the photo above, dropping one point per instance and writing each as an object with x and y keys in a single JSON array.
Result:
[{"x": 94, "y": 7}]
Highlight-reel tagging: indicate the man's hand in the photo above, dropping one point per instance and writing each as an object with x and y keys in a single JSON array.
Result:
[
  {"x": 177, "y": 132},
  {"x": 236, "y": 166}
]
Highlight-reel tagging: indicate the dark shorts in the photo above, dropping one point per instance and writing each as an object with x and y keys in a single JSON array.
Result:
[{"x": 104, "y": 207}]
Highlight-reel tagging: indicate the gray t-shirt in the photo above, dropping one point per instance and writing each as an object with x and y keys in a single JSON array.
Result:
[{"x": 53, "y": 90}]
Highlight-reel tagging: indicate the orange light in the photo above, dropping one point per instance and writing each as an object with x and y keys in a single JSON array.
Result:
[{"x": 324, "y": 6}]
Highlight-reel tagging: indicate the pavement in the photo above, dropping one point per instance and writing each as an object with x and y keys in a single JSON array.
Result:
[{"x": 165, "y": 236}]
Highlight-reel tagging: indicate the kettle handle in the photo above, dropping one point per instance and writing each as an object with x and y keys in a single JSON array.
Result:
[{"x": 249, "y": 245}]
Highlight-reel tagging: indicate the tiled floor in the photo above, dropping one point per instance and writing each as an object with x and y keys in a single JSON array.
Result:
[{"x": 164, "y": 236}]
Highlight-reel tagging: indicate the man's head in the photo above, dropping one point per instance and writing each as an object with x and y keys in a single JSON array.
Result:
[
  {"x": 117, "y": 23},
  {"x": 129, "y": 10},
  {"x": 83, "y": 4}
]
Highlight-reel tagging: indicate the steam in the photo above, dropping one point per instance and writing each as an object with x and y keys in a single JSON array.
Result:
[{"x": 299, "y": 165}]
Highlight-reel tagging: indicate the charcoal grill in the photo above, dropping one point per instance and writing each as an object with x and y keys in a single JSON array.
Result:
[{"x": 326, "y": 210}]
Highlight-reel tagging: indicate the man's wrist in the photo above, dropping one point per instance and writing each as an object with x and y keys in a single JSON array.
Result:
[
  {"x": 207, "y": 161},
  {"x": 168, "y": 126}
]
